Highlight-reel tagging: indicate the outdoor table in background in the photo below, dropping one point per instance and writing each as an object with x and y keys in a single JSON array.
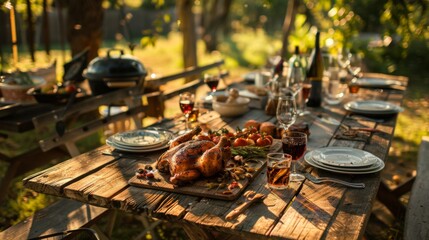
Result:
[{"x": 306, "y": 210}]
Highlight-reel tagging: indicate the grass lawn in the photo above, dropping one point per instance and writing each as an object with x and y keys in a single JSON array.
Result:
[{"x": 165, "y": 58}]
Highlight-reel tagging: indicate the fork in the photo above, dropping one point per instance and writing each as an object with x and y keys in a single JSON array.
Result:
[
  {"x": 325, "y": 179},
  {"x": 251, "y": 198}
]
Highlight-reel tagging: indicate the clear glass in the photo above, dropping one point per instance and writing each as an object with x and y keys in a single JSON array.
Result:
[
  {"x": 295, "y": 144},
  {"x": 334, "y": 90},
  {"x": 186, "y": 103},
  {"x": 278, "y": 170},
  {"x": 286, "y": 111}
]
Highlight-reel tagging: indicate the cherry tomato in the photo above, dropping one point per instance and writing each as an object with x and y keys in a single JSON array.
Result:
[
  {"x": 228, "y": 135},
  {"x": 252, "y": 129},
  {"x": 250, "y": 141},
  {"x": 263, "y": 141},
  {"x": 70, "y": 88},
  {"x": 239, "y": 142},
  {"x": 269, "y": 137},
  {"x": 254, "y": 136}
]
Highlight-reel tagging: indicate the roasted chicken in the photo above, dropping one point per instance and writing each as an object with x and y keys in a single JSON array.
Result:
[{"x": 187, "y": 161}]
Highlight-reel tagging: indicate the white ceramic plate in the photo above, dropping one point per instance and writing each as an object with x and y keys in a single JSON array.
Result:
[
  {"x": 137, "y": 150},
  {"x": 372, "y": 107},
  {"x": 376, "y": 82},
  {"x": 343, "y": 157},
  {"x": 140, "y": 138},
  {"x": 378, "y": 163},
  {"x": 377, "y": 167}
]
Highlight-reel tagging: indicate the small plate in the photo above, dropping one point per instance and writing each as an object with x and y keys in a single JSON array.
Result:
[
  {"x": 377, "y": 82},
  {"x": 140, "y": 138},
  {"x": 343, "y": 157},
  {"x": 372, "y": 107}
]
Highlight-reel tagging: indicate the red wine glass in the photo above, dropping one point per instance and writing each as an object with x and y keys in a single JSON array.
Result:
[
  {"x": 295, "y": 144},
  {"x": 213, "y": 82},
  {"x": 187, "y": 102}
]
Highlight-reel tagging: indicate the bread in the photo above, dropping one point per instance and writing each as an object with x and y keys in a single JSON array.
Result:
[{"x": 268, "y": 128}]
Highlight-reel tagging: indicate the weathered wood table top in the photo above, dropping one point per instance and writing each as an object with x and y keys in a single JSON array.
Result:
[{"x": 304, "y": 211}]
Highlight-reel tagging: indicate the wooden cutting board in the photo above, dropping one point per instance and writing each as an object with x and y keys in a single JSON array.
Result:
[{"x": 199, "y": 187}]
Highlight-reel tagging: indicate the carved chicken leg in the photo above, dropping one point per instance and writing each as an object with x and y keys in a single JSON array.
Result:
[
  {"x": 211, "y": 162},
  {"x": 185, "y": 137}
]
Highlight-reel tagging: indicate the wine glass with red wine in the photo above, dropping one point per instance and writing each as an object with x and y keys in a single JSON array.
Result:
[
  {"x": 187, "y": 102},
  {"x": 295, "y": 144},
  {"x": 213, "y": 82}
]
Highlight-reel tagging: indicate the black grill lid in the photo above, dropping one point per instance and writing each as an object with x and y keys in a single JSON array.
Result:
[{"x": 121, "y": 66}]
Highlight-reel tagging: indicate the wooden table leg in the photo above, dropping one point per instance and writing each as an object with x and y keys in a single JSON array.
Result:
[
  {"x": 391, "y": 201},
  {"x": 7, "y": 179}
]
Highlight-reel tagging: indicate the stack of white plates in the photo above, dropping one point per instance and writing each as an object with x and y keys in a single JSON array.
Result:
[
  {"x": 142, "y": 140},
  {"x": 377, "y": 82},
  {"x": 373, "y": 107},
  {"x": 344, "y": 160}
]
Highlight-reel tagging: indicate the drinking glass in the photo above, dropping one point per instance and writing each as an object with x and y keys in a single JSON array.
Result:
[
  {"x": 187, "y": 102},
  {"x": 286, "y": 111},
  {"x": 353, "y": 88},
  {"x": 295, "y": 144},
  {"x": 305, "y": 94},
  {"x": 278, "y": 170},
  {"x": 212, "y": 82}
]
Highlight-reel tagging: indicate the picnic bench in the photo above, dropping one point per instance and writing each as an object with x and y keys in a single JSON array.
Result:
[
  {"x": 305, "y": 210},
  {"x": 51, "y": 143},
  {"x": 417, "y": 217}
]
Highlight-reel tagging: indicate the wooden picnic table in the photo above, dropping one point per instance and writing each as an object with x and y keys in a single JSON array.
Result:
[{"x": 304, "y": 211}]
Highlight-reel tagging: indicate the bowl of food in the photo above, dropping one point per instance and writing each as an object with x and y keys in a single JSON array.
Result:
[
  {"x": 55, "y": 94},
  {"x": 14, "y": 87},
  {"x": 232, "y": 105}
]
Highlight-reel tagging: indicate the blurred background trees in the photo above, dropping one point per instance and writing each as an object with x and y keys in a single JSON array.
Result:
[{"x": 387, "y": 33}]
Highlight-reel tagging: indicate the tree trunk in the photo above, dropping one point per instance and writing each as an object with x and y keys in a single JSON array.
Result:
[
  {"x": 30, "y": 31},
  {"x": 45, "y": 28},
  {"x": 288, "y": 24},
  {"x": 84, "y": 26},
  {"x": 187, "y": 26},
  {"x": 214, "y": 19}
]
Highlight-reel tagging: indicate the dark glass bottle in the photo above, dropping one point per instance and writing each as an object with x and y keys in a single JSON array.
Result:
[{"x": 315, "y": 75}]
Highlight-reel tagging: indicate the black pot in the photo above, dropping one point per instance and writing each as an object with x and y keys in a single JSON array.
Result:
[{"x": 111, "y": 73}]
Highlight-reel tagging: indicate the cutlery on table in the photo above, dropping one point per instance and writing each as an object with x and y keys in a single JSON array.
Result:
[
  {"x": 251, "y": 198},
  {"x": 349, "y": 128},
  {"x": 365, "y": 118},
  {"x": 318, "y": 180}
]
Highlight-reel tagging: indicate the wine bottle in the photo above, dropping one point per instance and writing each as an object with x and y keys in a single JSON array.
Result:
[
  {"x": 315, "y": 75},
  {"x": 296, "y": 73}
]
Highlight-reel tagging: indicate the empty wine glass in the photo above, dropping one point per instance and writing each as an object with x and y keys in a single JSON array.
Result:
[
  {"x": 211, "y": 81},
  {"x": 286, "y": 111},
  {"x": 186, "y": 102}
]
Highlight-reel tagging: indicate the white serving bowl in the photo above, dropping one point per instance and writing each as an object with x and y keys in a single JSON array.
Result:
[{"x": 236, "y": 108}]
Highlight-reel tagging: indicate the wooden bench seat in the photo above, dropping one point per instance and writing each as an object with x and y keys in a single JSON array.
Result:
[
  {"x": 417, "y": 217},
  {"x": 60, "y": 216}
]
